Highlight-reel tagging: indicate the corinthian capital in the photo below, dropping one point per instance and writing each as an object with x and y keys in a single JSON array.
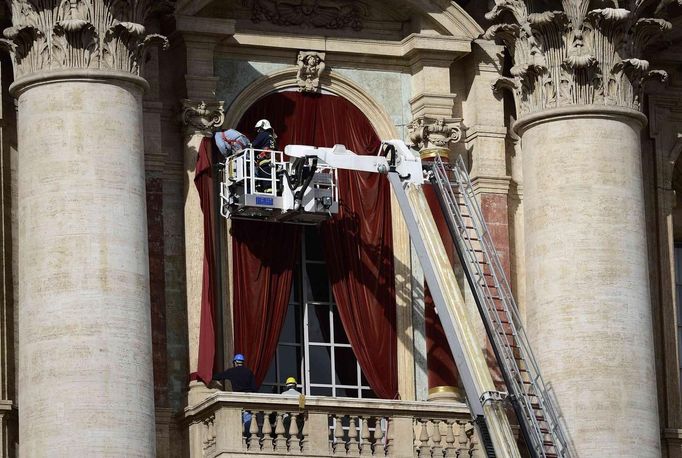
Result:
[
  {"x": 586, "y": 52},
  {"x": 202, "y": 117},
  {"x": 80, "y": 34}
]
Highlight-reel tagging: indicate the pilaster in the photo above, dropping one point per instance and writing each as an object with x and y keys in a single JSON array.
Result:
[
  {"x": 665, "y": 127},
  {"x": 199, "y": 119}
]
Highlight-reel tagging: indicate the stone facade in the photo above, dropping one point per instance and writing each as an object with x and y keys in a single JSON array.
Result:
[{"x": 566, "y": 112}]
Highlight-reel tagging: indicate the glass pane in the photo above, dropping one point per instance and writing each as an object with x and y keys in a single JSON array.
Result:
[
  {"x": 289, "y": 362},
  {"x": 318, "y": 323},
  {"x": 296, "y": 286},
  {"x": 346, "y": 366},
  {"x": 313, "y": 245},
  {"x": 369, "y": 394},
  {"x": 268, "y": 389},
  {"x": 271, "y": 375},
  {"x": 318, "y": 289},
  {"x": 320, "y": 391},
  {"x": 291, "y": 330},
  {"x": 346, "y": 393},
  {"x": 320, "y": 364},
  {"x": 339, "y": 331}
]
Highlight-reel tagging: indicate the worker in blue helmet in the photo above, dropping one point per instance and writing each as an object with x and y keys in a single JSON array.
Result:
[
  {"x": 240, "y": 376},
  {"x": 242, "y": 380}
]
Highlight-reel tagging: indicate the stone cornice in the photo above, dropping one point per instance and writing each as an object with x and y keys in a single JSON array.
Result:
[
  {"x": 580, "y": 55},
  {"x": 104, "y": 35},
  {"x": 491, "y": 185}
]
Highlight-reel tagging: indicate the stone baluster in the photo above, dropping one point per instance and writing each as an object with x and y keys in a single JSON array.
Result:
[
  {"x": 339, "y": 442},
  {"x": 365, "y": 444},
  {"x": 424, "y": 449},
  {"x": 353, "y": 436},
  {"x": 470, "y": 431},
  {"x": 462, "y": 439},
  {"x": 379, "y": 446},
  {"x": 280, "y": 441},
  {"x": 389, "y": 437},
  {"x": 294, "y": 441},
  {"x": 267, "y": 441},
  {"x": 305, "y": 434},
  {"x": 450, "y": 451},
  {"x": 252, "y": 441},
  {"x": 437, "y": 438}
]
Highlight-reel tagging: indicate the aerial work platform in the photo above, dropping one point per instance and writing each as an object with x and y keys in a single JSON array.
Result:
[{"x": 303, "y": 189}]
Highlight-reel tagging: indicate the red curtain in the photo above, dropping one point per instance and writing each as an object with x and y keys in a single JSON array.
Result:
[
  {"x": 264, "y": 256},
  {"x": 357, "y": 243},
  {"x": 203, "y": 180}
]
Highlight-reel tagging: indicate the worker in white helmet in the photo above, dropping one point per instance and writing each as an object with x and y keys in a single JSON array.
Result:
[{"x": 265, "y": 140}]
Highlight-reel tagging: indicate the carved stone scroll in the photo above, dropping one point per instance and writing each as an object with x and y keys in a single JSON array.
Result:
[
  {"x": 584, "y": 53},
  {"x": 202, "y": 117},
  {"x": 80, "y": 34},
  {"x": 310, "y": 67},
  {"x": 427, "y": 133}
]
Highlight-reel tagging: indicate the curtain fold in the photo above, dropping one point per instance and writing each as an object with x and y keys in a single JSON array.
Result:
[
  {"x": 357, "y": 242},
  {"x": 203, "y": 180},
  {"x": 264, "y": 257}
]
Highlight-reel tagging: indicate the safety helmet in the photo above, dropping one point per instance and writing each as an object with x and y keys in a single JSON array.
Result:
[
  {"x": 291, "y": 381},
  {"x": 238, "y": 357},
  {"x": 263, "y": 124}
]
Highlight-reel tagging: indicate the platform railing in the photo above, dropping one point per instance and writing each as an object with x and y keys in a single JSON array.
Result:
[{"x": 278, "y": 425}]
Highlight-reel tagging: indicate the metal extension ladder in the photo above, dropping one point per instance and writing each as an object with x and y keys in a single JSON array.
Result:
[{"x": 527, "y": 391}]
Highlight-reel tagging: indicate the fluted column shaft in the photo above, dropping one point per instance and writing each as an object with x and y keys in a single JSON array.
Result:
[{"x": 85, "y": 353}]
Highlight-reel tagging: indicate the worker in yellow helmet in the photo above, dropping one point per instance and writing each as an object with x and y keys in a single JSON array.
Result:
[{"x": 291, "y": 388}]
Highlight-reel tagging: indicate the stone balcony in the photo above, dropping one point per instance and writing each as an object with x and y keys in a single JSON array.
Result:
[{"x": 326, "y": 427}]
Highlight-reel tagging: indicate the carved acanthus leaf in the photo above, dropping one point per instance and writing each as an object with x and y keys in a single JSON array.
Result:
[
  {"x": 588, "y": 53},
  {"x": 99, "y": 34}
]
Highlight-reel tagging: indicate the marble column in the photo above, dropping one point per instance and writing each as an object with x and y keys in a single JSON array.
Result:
[
  {"x": 577, "y": 77},
  {"x": 85, "y": 365}
]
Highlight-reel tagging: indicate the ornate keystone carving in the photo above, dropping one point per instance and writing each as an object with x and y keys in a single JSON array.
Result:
[
  {"x": 326, "y": 14},
  {"x": 428, "y": 133},
  {"x": 80, "y": 34},
  {"x": 202, "y": 117},
  {"x": 310, "y": 67},
  {"x": 588, "y": 52}
]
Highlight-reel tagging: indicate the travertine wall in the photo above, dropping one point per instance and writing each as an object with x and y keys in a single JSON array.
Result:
[
  {"x": 588, "y": 309},
  {"x": 85, "y": 367}
]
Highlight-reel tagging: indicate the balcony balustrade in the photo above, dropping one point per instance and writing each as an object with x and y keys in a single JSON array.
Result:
[{"x": 326, "y": 427}]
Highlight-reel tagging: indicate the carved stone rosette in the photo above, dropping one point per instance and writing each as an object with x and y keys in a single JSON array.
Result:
[
  {"x": 433, "y": 134},
  {"x": 310, "y": 67},
  {"x": 80, "y": 34},
  {"x": 202, "y": 117},
  {"x": 587, "y": 52}
]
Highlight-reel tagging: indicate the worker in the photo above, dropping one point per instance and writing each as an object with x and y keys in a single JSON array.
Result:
[
  {"x": 242, "y": 380},
  {"x": 240, "y": 376},
  {"x": 231, "y": 142},
  {"x": 266, "y": 140},
  {"x": 290, "y": 385}
]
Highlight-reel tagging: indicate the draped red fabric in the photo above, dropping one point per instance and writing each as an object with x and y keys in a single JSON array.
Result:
[
  {"x": 440, "y": 363},
  {"x": 264, "y": 256},
  {"x": 357, "y": 242},
  {"x": 203, "y": 181}
]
